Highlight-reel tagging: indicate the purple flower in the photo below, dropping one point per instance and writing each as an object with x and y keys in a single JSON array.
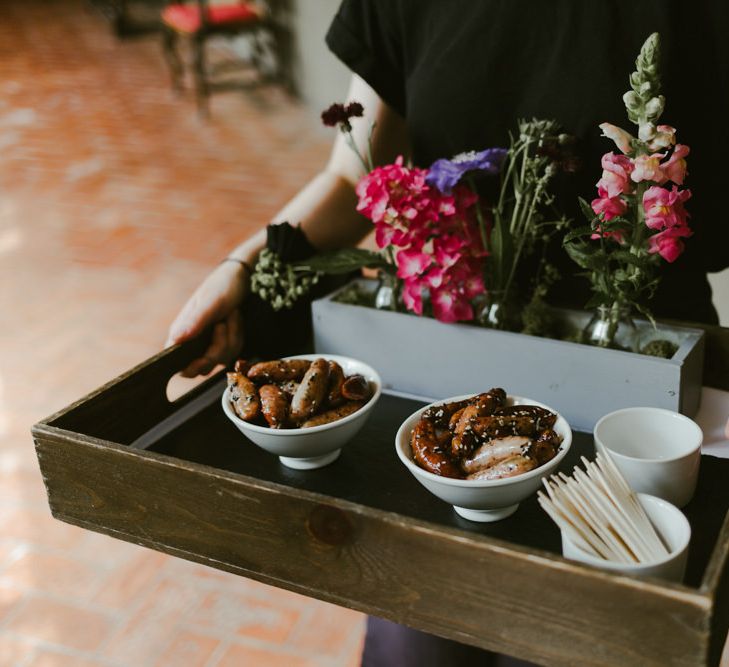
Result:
[{"x": 445, "y": 174}]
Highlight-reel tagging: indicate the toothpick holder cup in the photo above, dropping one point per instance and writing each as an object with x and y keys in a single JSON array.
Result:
[{"x": 674, "y": 530}]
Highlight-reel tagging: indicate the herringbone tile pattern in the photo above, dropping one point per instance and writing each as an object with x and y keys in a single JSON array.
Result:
[{"x": 114, "y": 202}]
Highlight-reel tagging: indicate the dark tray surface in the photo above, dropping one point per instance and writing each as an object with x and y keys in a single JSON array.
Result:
[{"x": 369, "y": 473}]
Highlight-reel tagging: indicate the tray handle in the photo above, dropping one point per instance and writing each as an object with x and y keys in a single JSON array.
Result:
[{"x": 136, "y": 401}]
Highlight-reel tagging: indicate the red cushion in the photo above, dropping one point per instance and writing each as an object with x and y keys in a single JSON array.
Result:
[{"x": 186, "y": 18}]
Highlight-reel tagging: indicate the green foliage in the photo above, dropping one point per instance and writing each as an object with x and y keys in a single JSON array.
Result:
[
  {"x": 643, "y": 102},
  {"x": 502, "y": 248},
  {"x": 536, "y": 154},
  {"x": 587, "y": 210},
  {"x": 586, "y": 230},
  {"x": 343, "y": 261},
  {"x": 660, "y": 348},
  {"x": 278, "y": 283},
  {"x": 356, "y": 295},
  {"x": 539, "y": 319},
  {"x": 586, "y": 256}
]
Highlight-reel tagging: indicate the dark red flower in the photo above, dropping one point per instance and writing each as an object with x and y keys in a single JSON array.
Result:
[
  {"x": 334, "y": 115},
  {"x": 338, "y": 114},
  {"x": 354, "y": 110}
]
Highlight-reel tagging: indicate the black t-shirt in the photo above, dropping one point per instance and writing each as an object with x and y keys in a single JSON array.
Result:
[{"x": 461, "y": 72}]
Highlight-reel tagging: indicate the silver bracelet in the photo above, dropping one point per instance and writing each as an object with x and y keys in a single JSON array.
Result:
[{"x": 243, "y": 263}]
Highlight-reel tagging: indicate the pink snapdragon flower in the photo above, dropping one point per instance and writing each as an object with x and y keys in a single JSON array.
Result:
[
  {"x": 617, "y": 235},
  {"x": 664, "y": 137},
  {"x": 675, "y": 167},
  {"x": 668, "y": 243},
  {"x": 664, "y": 208},
  {"x": 616, "y": 174},
  {"x": 664, "y": 211},
  {"x": 609, "y": 207},
  {"x": 623, "y": 140},
  {"x": 648, "y": 168}
]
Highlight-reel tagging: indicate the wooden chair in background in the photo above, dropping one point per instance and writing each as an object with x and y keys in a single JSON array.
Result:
[
  {"x": 199, "y": 21},
  {"x": 130, "y": 18}
]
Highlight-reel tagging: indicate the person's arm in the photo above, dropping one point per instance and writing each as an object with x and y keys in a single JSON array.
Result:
[{"x": 325, "y": 208}]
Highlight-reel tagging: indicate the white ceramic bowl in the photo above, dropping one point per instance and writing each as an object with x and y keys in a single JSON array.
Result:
[
  {"x": 671, "y": 525},
  {"x": 481, "y": 500},
  {"x": 658, "y": 451},
  {"x": 308, "y": 448}
]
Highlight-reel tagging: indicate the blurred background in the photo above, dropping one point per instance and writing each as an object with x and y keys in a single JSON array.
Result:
[{"x": 117, "y": 196}]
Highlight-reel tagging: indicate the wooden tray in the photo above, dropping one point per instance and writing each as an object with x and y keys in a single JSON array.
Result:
[{"x": 179, "y": 478}]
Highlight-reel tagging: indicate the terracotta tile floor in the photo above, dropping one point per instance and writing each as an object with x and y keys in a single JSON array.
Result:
[{"x": 114, "y": 202}]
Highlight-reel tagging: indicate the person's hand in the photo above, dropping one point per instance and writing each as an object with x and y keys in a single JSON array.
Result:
[{"x": 215, "y": 302}]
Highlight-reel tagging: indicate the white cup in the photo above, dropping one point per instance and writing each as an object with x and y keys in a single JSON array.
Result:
[
  {"x": 658, "y": 451},
  {"x": 672, "y": 527}
]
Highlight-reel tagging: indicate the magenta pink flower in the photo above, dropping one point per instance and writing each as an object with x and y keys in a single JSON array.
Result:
[
  {"x": 464, "y": 197},
  {"x": 446, "y": 205},
  {"x": 435, "y": 277},
  {"x": 440, "y": 246},
  {"x": 386, "y": 235},
  {"x": 664, "y": 208},
  {"x": 648, "y": 168},
  {"x": 411, "y": 263},
  {"x": 412, "y": 296},
  {"x": 616, "y": 174},
  {"x": 668, "y": 243},
  {"x": 392, "y": 193},
  {"x": 450, "y": 306},
  {"x": 452, "y": 289},
  {"x": 609, "y": 207},
  {"x": 623, "y": 140},
  {"x": 675, "y": 167},
  {"x": 447, "y": 249},
  {"x": 473, "y": 285}
]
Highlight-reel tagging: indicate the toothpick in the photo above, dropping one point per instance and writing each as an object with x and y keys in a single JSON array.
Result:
[
  {"x": 616, "y": 550},
  {"x": 599, "y": 512},
  {"x": 643, "y": 523},
  {"x": 572, "y": 514},
  {"x": 631, "y": 510},
  {"x": 565, "y": 525},
  {"x": 616, "y": 522}
]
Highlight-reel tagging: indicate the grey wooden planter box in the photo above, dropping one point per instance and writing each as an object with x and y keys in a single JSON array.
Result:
[{"x": 427, "y": 358}]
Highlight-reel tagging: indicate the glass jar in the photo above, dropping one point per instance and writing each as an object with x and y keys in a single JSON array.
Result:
[
  {"x": 387, "y": 295},
  {"x": 612, "y": 327},
  {"x": 500, "y": 312}
]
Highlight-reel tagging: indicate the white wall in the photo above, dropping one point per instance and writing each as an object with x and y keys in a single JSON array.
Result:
[
  {"x": 320, "y": 77},
  {"x": 720, "y": 285}
]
